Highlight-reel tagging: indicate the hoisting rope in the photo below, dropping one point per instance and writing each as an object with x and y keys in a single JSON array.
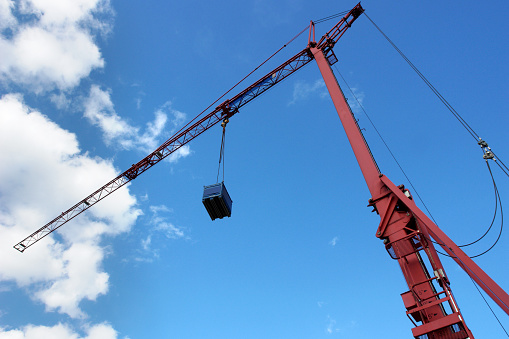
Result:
[
  {"x": 484, "y": 145},
  {"x": 221, "y": 151}
]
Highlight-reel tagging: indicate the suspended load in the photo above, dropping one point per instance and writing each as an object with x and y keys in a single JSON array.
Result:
[{"x": 217, "y": 201}]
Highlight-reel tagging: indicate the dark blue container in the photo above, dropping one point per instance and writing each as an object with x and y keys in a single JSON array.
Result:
[{"x": 217, "y": 201}]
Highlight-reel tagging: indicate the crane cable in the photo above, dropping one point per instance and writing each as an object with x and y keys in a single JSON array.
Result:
[
  {"x": 497, "y": 199},
  {"x": 487, "y": 151},
  {"x": 330, "y": 17},
  {"x": 497, "y": 195},
  {"x": 444, "y": 101},
  {"x": 221, "y": 151},
  {"x": 486, "y": 301},
  {"x": 486, "y": 156},
  {"x": 249, "y": 74}
]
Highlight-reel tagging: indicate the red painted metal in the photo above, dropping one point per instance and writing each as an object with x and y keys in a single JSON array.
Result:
[
  {"x": 429, "y": 299},
  {"x": 464, "y": 261},
  {"x": 407, "y": 233}
]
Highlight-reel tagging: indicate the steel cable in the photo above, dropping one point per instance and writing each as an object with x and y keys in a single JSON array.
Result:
[
  {"x": 497, "y": 195},
  {"x": 238, "y": 83},
  {"x": 433, "y": 89},
  {"x": 330, "y": 17}
]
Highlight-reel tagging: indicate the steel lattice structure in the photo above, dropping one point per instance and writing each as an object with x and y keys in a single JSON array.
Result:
[{"x": 225, "y": 110}]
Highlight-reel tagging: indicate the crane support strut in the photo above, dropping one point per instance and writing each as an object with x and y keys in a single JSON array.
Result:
[{"x": 407, "y": 234}]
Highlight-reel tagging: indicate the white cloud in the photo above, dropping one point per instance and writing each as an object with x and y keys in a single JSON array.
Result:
[
  {"x": 55, "y": 47},
  {"x": 160, "y": 223},
  {"x": 356, "y": 102},
  {"x": 182, "y": 152},
  {"x": 153, "y": 130},
  {"x": 145, "y": 243},
  {"x": 59, "y": 331},
  {"x": 331, "y": 327},
  {"x": 334, "y": 241},
  {"x": 6, "y": 17},
  {"x": 303, "y": 90},
  {"x": 42, "y": 172},
  {"x": 83, "y": 280},
  {"x": 64, "y": 13},
  {"x": 60, "y": 100},
  {"x": 160, "y": 228},
  {"x": 170, "y": 230},
  {"x": 100, "y": 111}
]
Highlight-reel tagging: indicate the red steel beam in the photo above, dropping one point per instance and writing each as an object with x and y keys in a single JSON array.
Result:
[
  {"x": 396, "y": 226},
  {"x": 464, "y": 261}
]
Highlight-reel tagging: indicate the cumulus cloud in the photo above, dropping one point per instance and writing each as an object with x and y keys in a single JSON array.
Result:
[
  {"x": 6, "y": 17},
  {"x": 100, "y": 111},
  {"x": 50, "y": 44},
  {"x": 43, "y": 172},
  {"x": 60, "y": 331}
]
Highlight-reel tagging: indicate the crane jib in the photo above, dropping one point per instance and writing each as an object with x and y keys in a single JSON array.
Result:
[{"x": 227, "y": 109}]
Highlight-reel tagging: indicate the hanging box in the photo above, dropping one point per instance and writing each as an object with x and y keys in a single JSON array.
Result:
[{"x": 217, "y": 201}]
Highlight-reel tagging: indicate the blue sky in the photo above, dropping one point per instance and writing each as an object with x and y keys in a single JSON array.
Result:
[{"x": 89, "y": 87}]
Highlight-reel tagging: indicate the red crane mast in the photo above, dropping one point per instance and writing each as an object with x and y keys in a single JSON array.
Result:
[{"x": 407, "y": 233}]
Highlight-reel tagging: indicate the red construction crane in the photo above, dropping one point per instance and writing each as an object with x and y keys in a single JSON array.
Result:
[{"x": 407, "y": 233}]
